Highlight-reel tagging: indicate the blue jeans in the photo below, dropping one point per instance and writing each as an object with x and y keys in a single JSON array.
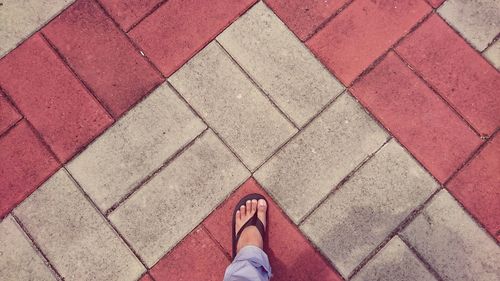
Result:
[{"x": 250, "y": 264}]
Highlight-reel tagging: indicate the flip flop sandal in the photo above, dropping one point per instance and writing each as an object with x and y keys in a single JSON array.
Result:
[{"x": 255, "y": 221}]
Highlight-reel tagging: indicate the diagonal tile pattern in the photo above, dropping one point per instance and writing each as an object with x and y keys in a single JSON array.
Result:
[
  {"x": 232, "y": 105},
  {"x": 151, "y": 198}
]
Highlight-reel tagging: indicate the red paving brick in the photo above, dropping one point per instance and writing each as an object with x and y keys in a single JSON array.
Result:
[
  {"x": 128, "y": 13},
  {"x": 51, "y": 98},
  {"x": 362, "y": 32},
  {"x": 436, "y": 3},
  {"x": 477, "y": 186},
  {"x": 8, "y": 114},
  {"x": 291, "y": 255},
  {"x": 146, "y": 277},
  {"x": 417, "y": 117},
  {"x": 25, "y": 164},
  {"x": 196, "y": 258},
  {"x": 464, "y": 78},
  {"x": 102, "y": 56},
  {"x": 303, "y": 17},
  {"x": 180, "y": 28}
]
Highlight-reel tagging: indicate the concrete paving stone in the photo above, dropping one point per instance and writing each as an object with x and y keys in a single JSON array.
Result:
[
  {"x": 303, "y": 17},
  {"x": 232, "y": 105},
  {"x": 280, "y": 64},
  {"x": 146, "y": 277},
  {"x": 196, "y": 258},
  {"x": 175, "y": 201},
  {"x": 73, "y": 235},
  {"x": 180, "y": 28},
  {"x": 452, "y": 243},
  {"x": 435, "y": 3},
  {"x": 417, "y": 117},
  {"x": 20, "y": 18},
  {"x": 394, "y": 262},
  {"x": 136, "y": 146},
  {"x": 477, "y": 186},
  {"x": 292, "y": 257},
  {"x": 25, "y": 164},
  {"x": 492, "y": 54},
  {"x": 356, "y": 218},
  {"x": 67, "y": 116},
  {"x": 362, "y": 32},
  {"x": 19, "y": 260},
  {"x": 128, "y": 13},
  {"x": 477, "y": 20},
  {"x": 458, "y": 73},
  {"x": 102, "y": 56},
  {"x": 312, "y": 164},
  {"x": 8, "y": 114}
]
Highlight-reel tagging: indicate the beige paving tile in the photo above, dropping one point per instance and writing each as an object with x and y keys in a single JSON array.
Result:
[
  {"x": 493, "y": 54},
  {"x": 73, "y": 235},
  {"x": 175, "y": 201},
  {"x": 136, "y": 146},
  {"x": 280, "y": 64},
  {"x": 312, "y": 164},
  {"x": 19, "y": 260},
  {"x": 477, "y": 20},
  {"x": 20, "y": 18},
  {"x": 232, "y": 105},
  {"x": 452, "y": 243},
  {"x": 355, "y": 219},
  {"x": 394, "y": 262}
]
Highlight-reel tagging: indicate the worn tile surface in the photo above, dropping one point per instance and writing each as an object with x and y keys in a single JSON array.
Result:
[
  {"x": 478, "y": 21},
  {"x": 209, "y": 265},
  {"x": 102, "y": 56},
  {"x": 231, "y": 104},
  {"x": 168, "y": 207},
  {"x": 362, "y": 32},
  {"x": 458, "y": 73},
  {"x": 128, "y": 13},
  {"x": 19, "y": 260},
  {"x": 51, "y": 98},
  {"x": 74, "y": 236},
  {"x": 20, "y": 18},
  {"x": 25, "y": 164},
  {"x": 280, "y": 64},
  {"x": 476, "y": 186},
  {"x": 448, "y": 239},
  {"x": 304, "y": 17},
  {"x": 185, "y": 36},
  {"x": 312, "y": 164},
  {"x": 291, "y": 256},
  {"x": 492, "y": 54},
  {"x": 8, "y": 114},
  {"x": 417, "y": 117},
  {"x": 135, "y": 147},
  {"x": 394, "y": 262},
  {"x": 357, "y": 217}
]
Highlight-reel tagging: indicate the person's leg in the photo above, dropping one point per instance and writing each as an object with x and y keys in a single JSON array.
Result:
[{"x": 251, "y": 262}]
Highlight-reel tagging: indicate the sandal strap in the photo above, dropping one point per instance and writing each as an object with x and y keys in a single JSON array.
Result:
[{"x": 253, "y": 221}]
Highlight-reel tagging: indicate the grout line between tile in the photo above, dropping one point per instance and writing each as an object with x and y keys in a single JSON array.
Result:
[
  {"x": 342, "y": 182},
  {"x": 76, "y": 76},
  {"x": 39, "y": 251},
  {"x": 249, "y": 77},
  {"x": 146, "y": 15},
  {"x": 224, "y": 252},
  {"x": 38, "y": 29},
  {"x": 435, "y": 91},
  {"x": 151, "y": 175},
  {"x": 327, "y": 21},
  {"x": 407, "y": 220},
  {"x": 11, "y": 126},
  {"x": 106, "y": 220},
  {"x": 208, "y": 126},
  {"x": 422, "y": 259}
]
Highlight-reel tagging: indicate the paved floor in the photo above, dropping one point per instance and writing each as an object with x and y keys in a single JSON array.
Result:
[{"x": 129, "y": 129}]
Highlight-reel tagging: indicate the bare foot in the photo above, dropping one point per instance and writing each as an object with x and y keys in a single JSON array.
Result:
[{"x": 250, "y": 235}]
